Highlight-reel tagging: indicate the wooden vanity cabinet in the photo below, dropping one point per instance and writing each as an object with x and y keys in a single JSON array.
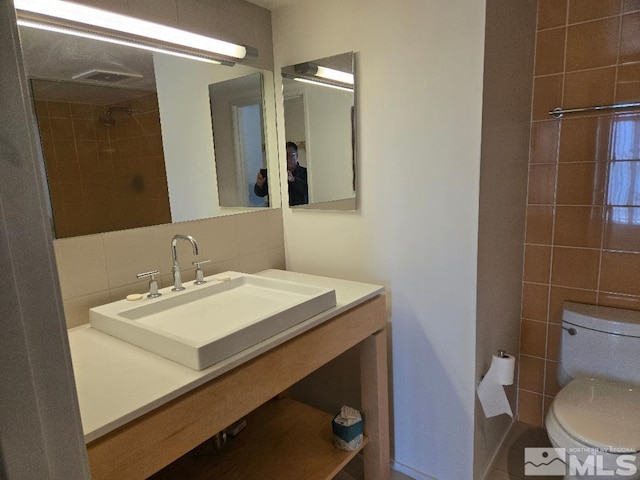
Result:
[{"x": 284, "y": 438}]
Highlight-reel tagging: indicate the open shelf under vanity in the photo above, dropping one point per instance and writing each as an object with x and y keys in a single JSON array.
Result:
[{"x": 284, "y": 438}]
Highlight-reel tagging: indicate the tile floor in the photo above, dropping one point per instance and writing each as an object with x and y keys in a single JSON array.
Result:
[
  {"x": 355, "y": 471},
  {"x": 509, "y": 464}
]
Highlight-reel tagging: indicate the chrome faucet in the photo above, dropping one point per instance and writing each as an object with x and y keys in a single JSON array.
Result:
[{"x": 177, "y": 280}]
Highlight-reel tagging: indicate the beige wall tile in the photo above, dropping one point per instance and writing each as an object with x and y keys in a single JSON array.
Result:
[
  {"x": 253, "y": 233},
  {"x": 128, "y": 253},
  {"x": 275, "y": 228},
  {"x": 255, "y": 262},
  {"x": 227, "y": 266},
  {"x": 141, "y": 286},
  {"x": 82, "y": 267},
  {"x": 217, "y": 237},
  {"x": 76, "y": 310},
  {"x": 277, "y": 258}
]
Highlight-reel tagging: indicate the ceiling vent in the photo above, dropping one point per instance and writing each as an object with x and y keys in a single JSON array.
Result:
[{"x": 104, "y": 76}]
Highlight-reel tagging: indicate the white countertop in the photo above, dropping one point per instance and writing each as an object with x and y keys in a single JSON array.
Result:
[{"x": 118, "y": 382}]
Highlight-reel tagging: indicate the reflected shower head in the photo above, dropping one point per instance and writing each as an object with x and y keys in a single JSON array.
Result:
[{"x": 107, "y": 118}]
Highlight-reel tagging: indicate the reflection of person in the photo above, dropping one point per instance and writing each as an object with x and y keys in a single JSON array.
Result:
[{"x": 296, "y": 178}]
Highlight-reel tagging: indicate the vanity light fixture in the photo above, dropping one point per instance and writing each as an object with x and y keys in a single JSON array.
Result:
[{"x": 89, "y": 22}]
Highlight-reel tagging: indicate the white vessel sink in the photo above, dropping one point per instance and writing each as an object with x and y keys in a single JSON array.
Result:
[{"x": 205, "y": 324}]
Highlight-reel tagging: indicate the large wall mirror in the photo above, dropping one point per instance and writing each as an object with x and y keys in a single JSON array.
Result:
[
  {"x": 128, "y": 135},
  {"x": 319, "y": 110}
]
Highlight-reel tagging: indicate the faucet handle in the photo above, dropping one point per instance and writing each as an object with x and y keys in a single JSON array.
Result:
[
  {"x": 153, "y": 283},
  {"x": 199, "y": 273}
]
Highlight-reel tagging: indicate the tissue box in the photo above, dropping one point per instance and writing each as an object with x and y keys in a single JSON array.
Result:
[{"x": 347, "y": 429}]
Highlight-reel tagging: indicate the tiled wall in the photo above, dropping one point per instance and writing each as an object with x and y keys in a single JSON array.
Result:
[
  {"x": 583, "y": 208},
  {"x": 103, "y": 177},
  {"x": 97, "y": 269}
]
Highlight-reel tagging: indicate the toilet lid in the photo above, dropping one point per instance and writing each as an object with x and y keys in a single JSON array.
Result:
[{"x": 600, "y": 413}]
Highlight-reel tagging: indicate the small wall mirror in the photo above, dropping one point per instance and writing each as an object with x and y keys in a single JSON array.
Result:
[
  {"x": 127, "y": 134},
  {"x": 320, "y": 119}
]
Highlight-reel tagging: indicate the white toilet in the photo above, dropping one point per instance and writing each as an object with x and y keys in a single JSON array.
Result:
[{"x": 596, "y": 415}]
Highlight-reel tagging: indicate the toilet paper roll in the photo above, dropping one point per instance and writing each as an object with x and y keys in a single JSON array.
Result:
[
  {"x": 504, "y": 367},
  {"x": 491, "y": 390}
]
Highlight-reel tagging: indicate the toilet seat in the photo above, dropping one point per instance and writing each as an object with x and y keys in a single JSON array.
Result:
[{"x": 600, "y": 413}]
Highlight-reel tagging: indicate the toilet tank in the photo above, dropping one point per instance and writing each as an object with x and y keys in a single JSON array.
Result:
[{"x": 599, "y": 342}]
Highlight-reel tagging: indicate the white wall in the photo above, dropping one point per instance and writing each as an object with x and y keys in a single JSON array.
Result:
[{"x": 420, "y": 68}]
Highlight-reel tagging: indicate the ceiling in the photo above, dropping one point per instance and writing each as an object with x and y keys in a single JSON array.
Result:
[
  {"x": 65, "y": 58},
  {"x": 272, "y": 4}
]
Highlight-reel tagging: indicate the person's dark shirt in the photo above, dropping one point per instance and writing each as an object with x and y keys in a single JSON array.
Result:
[{"x": 298, "y": 189}]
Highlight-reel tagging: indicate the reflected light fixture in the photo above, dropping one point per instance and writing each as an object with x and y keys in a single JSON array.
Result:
[
  {"x": 337, "y": 75},
  {"x": 309, "y": 68},
  {"x": 322, "y": 84},
  {"x": 80, "y": 20}
]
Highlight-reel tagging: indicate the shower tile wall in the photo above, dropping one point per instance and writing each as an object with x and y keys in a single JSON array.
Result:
[
  {"x": 103, "y": 177},
  {"x": 583, "y": 208}
]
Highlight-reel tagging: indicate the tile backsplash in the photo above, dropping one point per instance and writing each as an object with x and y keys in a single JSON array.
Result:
[
  {"x": 101, "y": 268},
  {"x": 583, "y": 208}
]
